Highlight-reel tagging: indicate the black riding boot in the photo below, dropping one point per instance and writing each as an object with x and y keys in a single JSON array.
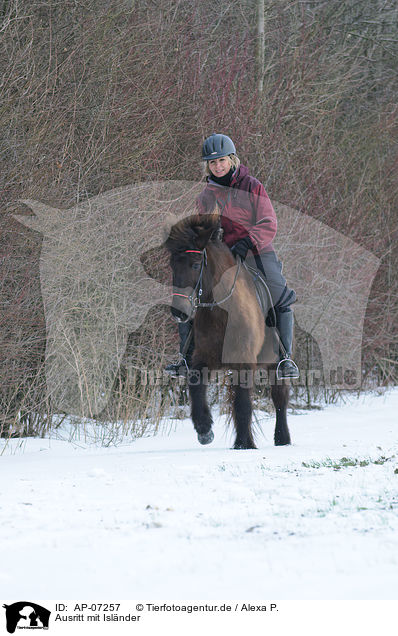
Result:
[
  {"x": 187, "y": 346},
  {"x": 284, "y": 324}
]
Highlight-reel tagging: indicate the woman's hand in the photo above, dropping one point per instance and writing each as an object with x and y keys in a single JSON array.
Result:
[{"x": 241, "y": 247}]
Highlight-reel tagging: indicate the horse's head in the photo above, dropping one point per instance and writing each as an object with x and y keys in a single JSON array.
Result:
[{"x": 187, "y": 242}]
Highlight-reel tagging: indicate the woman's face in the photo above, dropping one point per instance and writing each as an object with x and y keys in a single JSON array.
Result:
[{"x": 220, "y": 167}]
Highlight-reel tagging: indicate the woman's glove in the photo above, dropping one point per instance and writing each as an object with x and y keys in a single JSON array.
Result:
[{"x": 241, "y": 247}]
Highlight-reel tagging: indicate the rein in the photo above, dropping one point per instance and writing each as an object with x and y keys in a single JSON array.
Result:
[{"x": 194, "y": 298}]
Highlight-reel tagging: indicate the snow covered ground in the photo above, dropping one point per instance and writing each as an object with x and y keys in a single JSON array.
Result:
[{"x": 164, "y": 518}]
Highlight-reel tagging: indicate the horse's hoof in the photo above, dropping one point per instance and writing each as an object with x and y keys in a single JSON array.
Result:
[
  {"x": 282, "y": 440},
  {"x": 206, "y": 438},
  {"x": 247, "y": 446}
]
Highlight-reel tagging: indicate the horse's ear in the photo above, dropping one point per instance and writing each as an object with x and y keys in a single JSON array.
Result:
[
  {"x": 169, "y": 221},
  {"x": 216, "y": 214}
]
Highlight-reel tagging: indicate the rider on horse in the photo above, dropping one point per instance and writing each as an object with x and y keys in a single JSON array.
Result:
[{"x": 249, "y": 225}]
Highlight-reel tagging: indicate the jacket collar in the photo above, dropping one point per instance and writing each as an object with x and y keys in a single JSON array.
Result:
[{"x": 239, "y": 174}]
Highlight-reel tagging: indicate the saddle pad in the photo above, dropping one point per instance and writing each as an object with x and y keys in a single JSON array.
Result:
[{"x": 262, "y": 291}]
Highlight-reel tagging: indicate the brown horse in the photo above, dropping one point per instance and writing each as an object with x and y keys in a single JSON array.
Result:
[{"x": 218, "y": 293}]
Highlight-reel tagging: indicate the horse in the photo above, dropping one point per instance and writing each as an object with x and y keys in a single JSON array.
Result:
[{"x": 215, "y": 291}]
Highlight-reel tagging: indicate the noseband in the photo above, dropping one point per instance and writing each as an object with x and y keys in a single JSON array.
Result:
[{"x": 194, "y": 298}]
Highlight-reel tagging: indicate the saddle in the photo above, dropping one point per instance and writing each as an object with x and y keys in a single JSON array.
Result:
[{"x": 261, "y": 287}]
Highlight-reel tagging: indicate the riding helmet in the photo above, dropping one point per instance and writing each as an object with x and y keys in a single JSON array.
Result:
[{"x": 217, "y": 146}]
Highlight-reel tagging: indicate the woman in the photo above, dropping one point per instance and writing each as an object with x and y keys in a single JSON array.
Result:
[{"x": 249, "y": 226}]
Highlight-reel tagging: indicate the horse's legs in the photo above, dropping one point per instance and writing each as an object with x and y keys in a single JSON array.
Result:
[
  {"x": 200, "y": 412},
  {"x": 280, "y": 398},
  {"x": 242, "y": 414}
]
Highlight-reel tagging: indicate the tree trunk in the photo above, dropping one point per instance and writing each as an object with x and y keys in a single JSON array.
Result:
[{"x": 260, "y": 45}]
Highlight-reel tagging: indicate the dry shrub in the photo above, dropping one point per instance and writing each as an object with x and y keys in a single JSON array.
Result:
[{"x": 99, "y": 94}]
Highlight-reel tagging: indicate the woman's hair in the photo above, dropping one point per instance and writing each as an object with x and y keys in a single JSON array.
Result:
[{"x": 235, "y": 163}]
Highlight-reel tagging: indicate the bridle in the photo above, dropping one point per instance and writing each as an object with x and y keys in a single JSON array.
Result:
[{"x": 194, "y": 298}]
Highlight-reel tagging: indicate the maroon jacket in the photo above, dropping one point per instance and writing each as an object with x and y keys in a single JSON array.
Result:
[{"x": 245, "y": 210}]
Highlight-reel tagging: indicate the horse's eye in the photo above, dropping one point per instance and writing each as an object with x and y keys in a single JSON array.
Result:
[{"x": 195, "y": 265}]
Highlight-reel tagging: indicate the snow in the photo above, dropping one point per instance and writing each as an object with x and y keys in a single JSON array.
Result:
[{"x": 165, "y": 518}]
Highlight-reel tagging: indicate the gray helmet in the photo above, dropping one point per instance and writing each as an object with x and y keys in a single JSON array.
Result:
[{"x": 217, "y": 146}]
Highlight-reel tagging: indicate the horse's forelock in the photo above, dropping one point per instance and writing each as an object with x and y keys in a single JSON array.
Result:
[
  {"x": 181, "y": 236},
  {"x": 184, "y": 234}
]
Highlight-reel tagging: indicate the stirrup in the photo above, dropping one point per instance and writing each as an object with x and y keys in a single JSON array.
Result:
[
  {"x": 176, "y": 369},
  {"x": 294, "y": 374}
]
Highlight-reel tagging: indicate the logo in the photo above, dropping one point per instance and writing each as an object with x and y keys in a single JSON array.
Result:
[{"x": 26, "y": 615}]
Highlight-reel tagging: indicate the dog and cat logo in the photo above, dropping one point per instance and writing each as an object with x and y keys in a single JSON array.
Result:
[{"x": 26, "y": 615}]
